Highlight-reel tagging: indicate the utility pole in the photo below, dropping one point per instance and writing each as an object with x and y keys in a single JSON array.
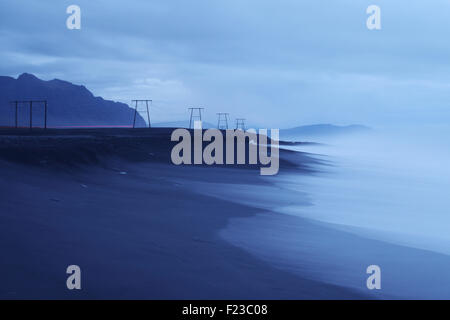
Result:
[
  {"x": 222, "y": 122},
  {"x": 240, "y": 124},
  {"x": 31, "y": 115},
  {"x": 17, "y": 104},
  {"x": 197, "y": 116},
  {"x": 30, "y": 103},
  {"x": 146, "y": 101},
  {"x": 45, "y": 117}
]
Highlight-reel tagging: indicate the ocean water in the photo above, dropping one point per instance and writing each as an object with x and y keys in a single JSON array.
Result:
[
  {"x": 395, "y": 186},
  {"x": 382, "y": 198}
]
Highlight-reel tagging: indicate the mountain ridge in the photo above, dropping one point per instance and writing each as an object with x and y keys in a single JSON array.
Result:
[
  {"x": 68, "y": 104},
  {"x": 324, "y": 129}
]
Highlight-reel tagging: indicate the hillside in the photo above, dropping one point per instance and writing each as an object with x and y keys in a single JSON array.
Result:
[{"x": 68, "y": 104}]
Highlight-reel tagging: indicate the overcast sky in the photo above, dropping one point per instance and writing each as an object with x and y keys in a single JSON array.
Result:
[{"x": 278, "y": 63}]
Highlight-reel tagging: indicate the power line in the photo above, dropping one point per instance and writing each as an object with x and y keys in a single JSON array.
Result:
[
  {"x": 240, "y": 123},
  {"x": 193, "y": 116},
  {"x": 16, "y": 104},
  {"x": 146, "y": 101},
  {"x": 222, "y": 122}
]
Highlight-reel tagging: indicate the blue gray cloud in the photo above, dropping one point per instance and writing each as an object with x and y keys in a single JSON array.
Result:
[{"x": 277, "y": 63}]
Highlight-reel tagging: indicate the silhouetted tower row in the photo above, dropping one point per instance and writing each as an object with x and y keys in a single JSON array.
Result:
[
  {"x": 139, "y": 102},
  {"x": 240, "y": 124},
  {"x": 196, "y": 114},
  {"x": 222, "y": 122}
]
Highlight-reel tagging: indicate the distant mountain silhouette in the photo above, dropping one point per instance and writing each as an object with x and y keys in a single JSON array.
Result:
[
  {"x": 182, "y": 124},
  {"x": 68, "y": 104},
  {"x": 323, "y": 130}
]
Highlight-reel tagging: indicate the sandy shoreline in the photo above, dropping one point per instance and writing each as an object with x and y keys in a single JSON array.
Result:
[
  {"x": 135, "y": 233},
  {"x": 142, "y": 228}
]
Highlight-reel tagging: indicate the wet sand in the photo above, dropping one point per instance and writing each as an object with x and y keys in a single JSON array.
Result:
[
  {"x": 113, "y": 207},
  {"x": 141, "y": 228}
]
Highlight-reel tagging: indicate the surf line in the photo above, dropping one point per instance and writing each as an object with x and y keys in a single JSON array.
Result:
[{"x": 258, "y": 150}]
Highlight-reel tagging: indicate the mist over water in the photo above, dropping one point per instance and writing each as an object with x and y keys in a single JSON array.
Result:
[
  {"x": 380, "y": 198},
  {"x": 394, "y": 185}
]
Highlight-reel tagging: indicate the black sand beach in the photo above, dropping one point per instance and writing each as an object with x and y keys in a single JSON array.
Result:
[
  {"x": 105, "y": 200},
  {"x": 110, "y": 201}
]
